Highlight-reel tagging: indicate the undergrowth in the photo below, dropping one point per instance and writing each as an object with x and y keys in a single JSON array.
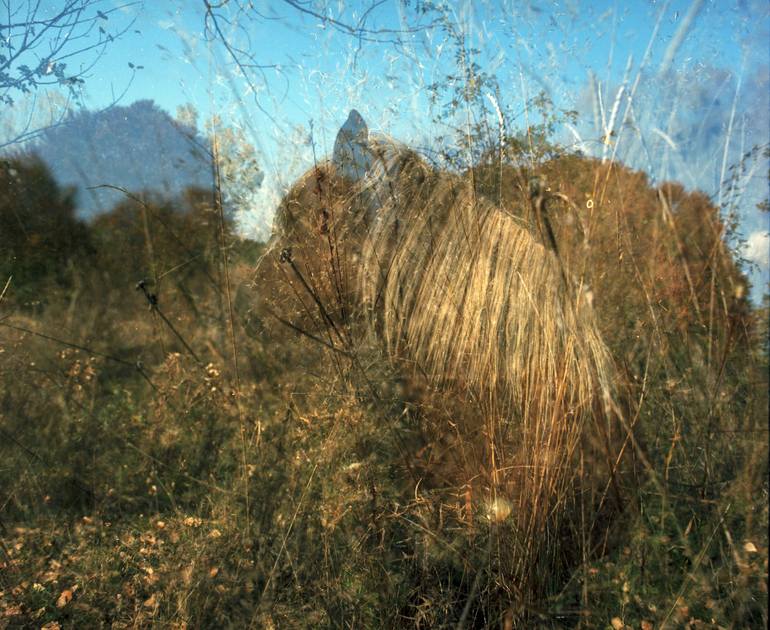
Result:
[{"x": 149, "y": 479}]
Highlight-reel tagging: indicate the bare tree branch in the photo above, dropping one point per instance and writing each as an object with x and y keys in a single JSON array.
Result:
[
  {"x": 238, "y": 15},
  {"x": 38, "y": 43}
]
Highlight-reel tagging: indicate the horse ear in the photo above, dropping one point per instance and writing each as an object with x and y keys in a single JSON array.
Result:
[{"x": 352, "y": 155}]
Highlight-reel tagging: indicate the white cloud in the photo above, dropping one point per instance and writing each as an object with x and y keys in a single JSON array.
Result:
[{"x": 757, "y": 248}]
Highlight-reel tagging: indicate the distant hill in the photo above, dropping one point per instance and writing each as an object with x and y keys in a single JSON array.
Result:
[{"x": 139, "y": 147}]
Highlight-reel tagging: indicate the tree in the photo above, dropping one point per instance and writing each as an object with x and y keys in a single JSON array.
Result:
[
  {"x": 41, "y": 45},
  {"x": 40, "y": 237},
  {"x": 97, "y": 149}
]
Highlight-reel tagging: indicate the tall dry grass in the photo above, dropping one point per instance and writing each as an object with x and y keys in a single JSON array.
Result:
[
  {"x": 368, "y": 468},
  {"x": 473, "y": 308}
]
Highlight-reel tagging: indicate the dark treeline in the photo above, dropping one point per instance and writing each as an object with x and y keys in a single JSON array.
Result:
[{"x": 47, "y": 247}]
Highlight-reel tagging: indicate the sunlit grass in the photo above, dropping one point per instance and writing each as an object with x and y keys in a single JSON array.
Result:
[
  {"x": 373, "y": 468},
  {"x": 127, "y": 484}
]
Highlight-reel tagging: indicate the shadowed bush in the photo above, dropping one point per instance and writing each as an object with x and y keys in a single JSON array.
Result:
[{"x": 40, "y": 237}]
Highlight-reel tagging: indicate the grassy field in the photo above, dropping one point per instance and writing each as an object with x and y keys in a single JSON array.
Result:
[{"x": 170, "y": 457}]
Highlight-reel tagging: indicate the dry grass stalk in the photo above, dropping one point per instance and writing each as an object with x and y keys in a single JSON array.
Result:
[{"x": 464, "y": 296}]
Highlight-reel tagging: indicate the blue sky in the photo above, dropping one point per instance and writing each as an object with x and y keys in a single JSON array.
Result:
[
  {"x": 692, "y": 76},
  {"x": 553, "y": 48}
]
